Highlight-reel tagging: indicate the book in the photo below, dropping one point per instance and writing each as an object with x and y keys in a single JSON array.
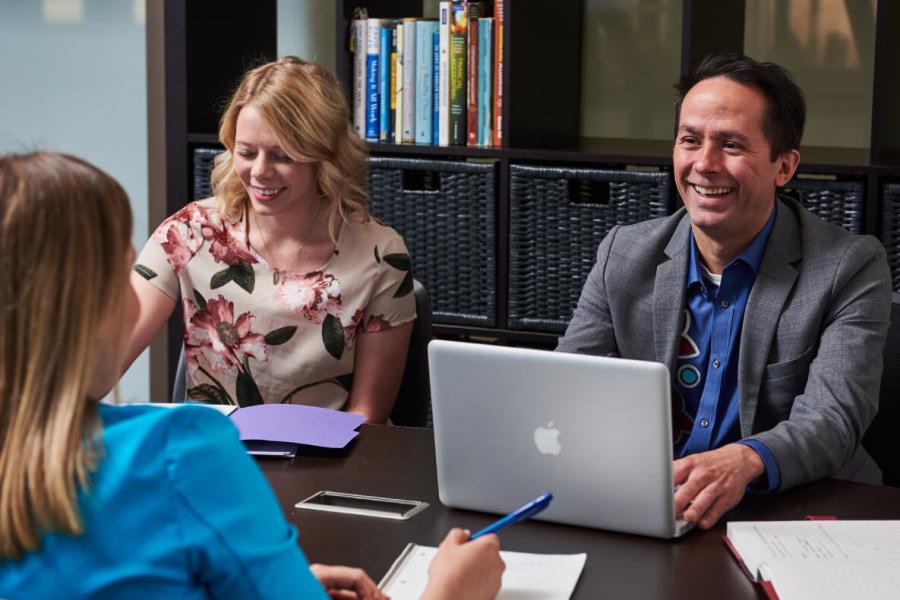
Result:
[
  {"x": 393, "y": 92},
  {"x": 425, "y": 31},
  {"x": 373, "y": 50},
  {"x": 409, "y": 82},
  {"x": 476, "y": 11},
  {"x": 358, "y": 41},
  {"x": 527, "y": 575},
  {"x": 485, "y": 64},
  {"x": 398, "y": 91},
  {"x": 444, "y": 75},
  {"x": 497, "y": 129},
  {"x": 820, "y": 559},
  {"x": 436, "y": 85},
  {"x": 384, "y": 83},
  {"x": 459, "y": 25}
]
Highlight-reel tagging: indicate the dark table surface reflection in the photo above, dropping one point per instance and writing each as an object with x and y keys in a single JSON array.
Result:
[{"x": 398, "y": 462}]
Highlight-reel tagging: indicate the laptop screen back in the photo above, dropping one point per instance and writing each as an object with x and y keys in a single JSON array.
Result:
[{"x": 513, "y": 423}]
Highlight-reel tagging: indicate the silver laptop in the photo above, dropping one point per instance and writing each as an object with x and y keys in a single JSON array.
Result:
[{"x": 513, "y": 423}]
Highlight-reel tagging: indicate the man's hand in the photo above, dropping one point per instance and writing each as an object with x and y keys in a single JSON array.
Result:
[
  {"x": 713, "y": 482},
  {"x": 346, "y": 582}
]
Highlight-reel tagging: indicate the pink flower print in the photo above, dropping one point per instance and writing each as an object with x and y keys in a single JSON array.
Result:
[
  {"x": 224, "y": 341},
  {"x": 313, "y": 295},
  {"x": 352, "y": 329},
  {"x": 228, "y": 241},
  {"x": 377, "y": 323},
  {"x": 194, "y": 214},
  {"x": 181, "y": 236}
]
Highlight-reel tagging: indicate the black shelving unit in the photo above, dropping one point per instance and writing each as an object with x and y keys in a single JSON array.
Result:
[{"x": 208, "y": 45}]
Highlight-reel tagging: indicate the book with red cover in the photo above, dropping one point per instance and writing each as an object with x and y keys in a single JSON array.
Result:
[
  {"x": 821, "y": 559},
  {"x": 476, "y": 11},
  {"x": 499, "y": 18},
  {"x": 766, "y": 585}
]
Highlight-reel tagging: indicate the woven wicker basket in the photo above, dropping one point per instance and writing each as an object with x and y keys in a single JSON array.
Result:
[
  {"x": 445, "y": 210},
  {"x": 204, "y": 161},
  {"x": 890, "y": 229},
  {"x": 558, "y": 216},
  {"x": 838, "y": 202}
]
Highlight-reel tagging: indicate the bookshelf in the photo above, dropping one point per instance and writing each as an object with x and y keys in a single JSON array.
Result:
[{"x": 207, "y": 46}]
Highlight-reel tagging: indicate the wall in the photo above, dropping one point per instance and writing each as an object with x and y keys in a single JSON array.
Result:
[
  {"x": 306, "y": 29},
  {"x": 829, "y": 47},
  {"x": 74, "y": 80}
]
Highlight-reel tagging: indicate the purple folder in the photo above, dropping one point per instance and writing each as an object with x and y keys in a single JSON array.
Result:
[{"x": 297, "y": 424}]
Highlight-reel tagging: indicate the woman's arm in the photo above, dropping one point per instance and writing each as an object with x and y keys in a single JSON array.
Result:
[
  {"x": 155, "y": 309},
  {"x": 377, "y": 372}
]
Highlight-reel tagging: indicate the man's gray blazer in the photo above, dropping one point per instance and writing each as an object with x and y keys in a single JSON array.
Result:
[{"x": 809, "y": 364}]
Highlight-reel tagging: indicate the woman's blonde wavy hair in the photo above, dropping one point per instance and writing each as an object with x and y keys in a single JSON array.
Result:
[
  {"x": 65, "y": 230},
  {"x": 304, "y": 105}
]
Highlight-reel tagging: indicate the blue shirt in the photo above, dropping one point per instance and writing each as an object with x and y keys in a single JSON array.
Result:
[
  {"x": 176, "y": 509},
  {"x": 705, "y": 395}
]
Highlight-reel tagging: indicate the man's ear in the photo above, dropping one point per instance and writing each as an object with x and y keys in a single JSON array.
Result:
[{"x": 787, "y": 166}]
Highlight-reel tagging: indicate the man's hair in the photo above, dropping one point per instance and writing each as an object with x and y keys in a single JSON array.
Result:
[{"x": 785, "y": 102}]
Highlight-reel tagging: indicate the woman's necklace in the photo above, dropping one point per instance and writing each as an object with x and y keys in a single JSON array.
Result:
[{"x": 269, "y": 256}]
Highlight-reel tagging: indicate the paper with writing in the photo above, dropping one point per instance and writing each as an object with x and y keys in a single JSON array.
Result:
[{"x": 768, "y": 542}]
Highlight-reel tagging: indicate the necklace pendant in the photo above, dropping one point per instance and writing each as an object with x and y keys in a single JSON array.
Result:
[{"x": 276, "y": 277}]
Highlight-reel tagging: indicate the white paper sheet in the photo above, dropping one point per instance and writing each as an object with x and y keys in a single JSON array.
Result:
[
  {"x": 527, "y": 576},
  {"x": 829, "y": 579}
]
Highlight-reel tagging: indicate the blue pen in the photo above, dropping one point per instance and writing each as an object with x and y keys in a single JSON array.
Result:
[{"x": 520, "y": 514}]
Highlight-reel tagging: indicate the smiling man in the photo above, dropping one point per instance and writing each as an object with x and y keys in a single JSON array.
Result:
[{"x": 770, "y": 320}]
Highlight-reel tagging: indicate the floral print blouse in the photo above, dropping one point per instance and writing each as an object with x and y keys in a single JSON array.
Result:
[{"x": 256, "y": 334}]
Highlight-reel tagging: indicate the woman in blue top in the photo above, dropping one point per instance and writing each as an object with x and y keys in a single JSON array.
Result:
[{"x": 119, "y": 501}]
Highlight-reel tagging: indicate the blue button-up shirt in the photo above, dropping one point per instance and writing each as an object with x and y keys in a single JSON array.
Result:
[{"x": 705, "y": 395}]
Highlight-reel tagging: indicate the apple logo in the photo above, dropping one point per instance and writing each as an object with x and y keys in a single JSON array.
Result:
[{"x": 547, "y": 439}]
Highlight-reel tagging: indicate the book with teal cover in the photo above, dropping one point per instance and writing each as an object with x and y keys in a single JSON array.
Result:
[
  {"x": 425, "y": 31},
  {"x": 485, "y": 77}
]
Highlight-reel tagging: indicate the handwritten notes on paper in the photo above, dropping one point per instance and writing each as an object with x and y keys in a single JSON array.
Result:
[{"x": 821, "y": 559}]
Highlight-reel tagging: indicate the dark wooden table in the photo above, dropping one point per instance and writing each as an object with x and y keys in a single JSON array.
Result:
[{"x": 398, "y": 462}]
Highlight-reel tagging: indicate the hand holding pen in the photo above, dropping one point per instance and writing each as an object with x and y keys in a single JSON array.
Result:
[
  {"x": 465, "y": 570},
  {"x": 469, "y": 565}
]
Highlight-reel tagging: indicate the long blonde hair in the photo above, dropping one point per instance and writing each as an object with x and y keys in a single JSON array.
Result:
[
  {"x": 304, "y": 105},
  {"x": 65, "y": 230}
]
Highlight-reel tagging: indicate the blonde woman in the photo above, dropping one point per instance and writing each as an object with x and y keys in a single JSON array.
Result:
[
  {"x": 290, "y": 291},
  {"x": 114, "y": 501}
]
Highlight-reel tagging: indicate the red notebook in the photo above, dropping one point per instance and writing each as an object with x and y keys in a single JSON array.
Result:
[{"x": 819, "y": 559}]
